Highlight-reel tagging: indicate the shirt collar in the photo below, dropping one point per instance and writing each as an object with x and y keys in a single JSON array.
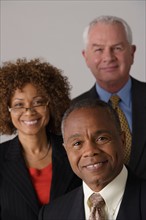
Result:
[
  {"x": 112, "y": 193},
  {"x": 124, "y": 93}
]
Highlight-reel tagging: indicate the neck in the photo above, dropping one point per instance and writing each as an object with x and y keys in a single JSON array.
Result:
[
  {"x": 112, "y": 86},
  {"x": 33, "y": 143}
]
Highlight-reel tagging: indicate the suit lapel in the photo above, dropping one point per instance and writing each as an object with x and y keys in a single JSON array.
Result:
[
  {"x": 138, "y": 126},
  {"x": 77, "y": 206},
  {"x": 129, "y": 208},
  {"x": 15, "y": 171},
  {"x": 93, "y": 93}
]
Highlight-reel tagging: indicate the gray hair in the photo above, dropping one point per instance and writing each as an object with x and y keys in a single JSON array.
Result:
[
  {"x": 92, "y": 104},
  {"x": 107, "y": 20}
]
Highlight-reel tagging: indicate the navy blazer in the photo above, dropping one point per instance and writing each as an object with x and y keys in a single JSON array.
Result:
[
  {"x": 71, "y": 205},
  {"x": 137, "y": 161},
  {"x": 18, "y": 199}
]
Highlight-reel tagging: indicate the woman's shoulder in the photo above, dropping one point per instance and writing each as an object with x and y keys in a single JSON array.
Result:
[
  {"x": 8, "y": 140},
  {"x": 7, "y": 144}
]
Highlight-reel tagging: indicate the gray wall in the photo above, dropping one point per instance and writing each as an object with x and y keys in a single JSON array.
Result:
[{"x": 53, "y": 30}]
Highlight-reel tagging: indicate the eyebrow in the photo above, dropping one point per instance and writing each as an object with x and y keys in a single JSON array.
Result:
[
  {"x": 18, "y": 99},
  {"x": 77, "y": 135},
  {"x": 21, "y": 99},
  {"x": 101, "y": 45},
  {"x": 73, "y": 136}
]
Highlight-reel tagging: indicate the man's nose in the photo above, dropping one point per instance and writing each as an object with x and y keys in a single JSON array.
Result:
[
  {"x": 108, "y": 55},
  {"x": 91, "y": 149}
]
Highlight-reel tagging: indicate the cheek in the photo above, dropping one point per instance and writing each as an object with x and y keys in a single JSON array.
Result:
[
  {"x": 90, "y": 59},
  {"x": 111, "y": 152},
  {"x": 117, "y": 153},
  {"x": 47, "y": 117},
  {"x": 73, "y": 159},
  {"x": 14, "y": 120},
  {"x": 127, "y": 59}
]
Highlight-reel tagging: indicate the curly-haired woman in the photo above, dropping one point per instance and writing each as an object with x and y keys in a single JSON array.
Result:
[{"x": 34, "y": 168}]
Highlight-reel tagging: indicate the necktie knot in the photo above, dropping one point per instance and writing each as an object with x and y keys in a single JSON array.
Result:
[
  {"x": 115, "y": 100},
  {"x": 97, "y": 212},
  {"x": 96, "y": 200}
]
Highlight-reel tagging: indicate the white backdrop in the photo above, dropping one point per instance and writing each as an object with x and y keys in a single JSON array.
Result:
[{"x": 53, "y": 30}]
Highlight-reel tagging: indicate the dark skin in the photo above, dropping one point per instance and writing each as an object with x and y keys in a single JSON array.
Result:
[
  {"x": 94, "y": 146},
  {"x": 31, "y": 126}
]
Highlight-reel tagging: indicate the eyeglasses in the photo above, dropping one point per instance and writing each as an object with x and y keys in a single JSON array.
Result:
[{"x": 37, "y": 108}]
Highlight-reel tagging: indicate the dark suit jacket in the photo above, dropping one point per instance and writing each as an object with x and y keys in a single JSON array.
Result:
[
  {"x": 71, "y": 205},
  {"x": 18, "y": 200},
  {"x": 137, "y": 161}
]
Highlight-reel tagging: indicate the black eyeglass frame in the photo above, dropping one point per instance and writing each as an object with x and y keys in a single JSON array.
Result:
[{"x": 26, "y": 109}]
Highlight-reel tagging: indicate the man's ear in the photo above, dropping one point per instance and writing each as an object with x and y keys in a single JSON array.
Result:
[
  {"x": 63, "y": 144},
  {"x": 83, "y": 53},
  {"x": 133, "y": 49},
  {"x": 123, "y": 138}
]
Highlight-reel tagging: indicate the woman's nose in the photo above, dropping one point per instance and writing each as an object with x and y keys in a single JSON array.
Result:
[{"x": 30, "y": 110}]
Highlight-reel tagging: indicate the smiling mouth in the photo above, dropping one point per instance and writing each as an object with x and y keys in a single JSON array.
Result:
[
  {"x": 32, "y": 122},
  {"x": 109, "y": 68},
  {"x": 95, "y": 166}
]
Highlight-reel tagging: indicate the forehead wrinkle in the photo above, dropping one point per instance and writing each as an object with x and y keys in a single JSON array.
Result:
[
  {"x": 71, "y": 137},
  {"x": 102, "y": 131},
  {"x": 76, "y": 135}
]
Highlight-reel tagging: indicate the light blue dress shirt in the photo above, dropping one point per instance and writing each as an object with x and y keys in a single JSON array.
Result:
[{"x": 125, "y": 103}]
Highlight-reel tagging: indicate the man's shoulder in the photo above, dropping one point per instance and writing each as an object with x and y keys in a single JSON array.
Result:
[
  {"x": 138, "y": 90},
  {"x": 134, "y": 180},
  {"x": 138, "y": 84},
  {"x": 66, "y": 197},
  {"x": 91, "y": 93},
  {"x": 63, "y": 205}
]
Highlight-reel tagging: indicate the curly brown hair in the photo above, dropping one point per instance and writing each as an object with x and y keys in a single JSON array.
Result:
[{"x": 48, "y": 79}]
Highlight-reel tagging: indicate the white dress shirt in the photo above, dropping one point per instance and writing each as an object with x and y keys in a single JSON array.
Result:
[{"x": 112, "y": 195}]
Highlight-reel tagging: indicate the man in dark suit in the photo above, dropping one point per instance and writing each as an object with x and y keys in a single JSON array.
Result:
[
  {"x": 94, "y": 143},
  {"x": 109, "y": 54}
]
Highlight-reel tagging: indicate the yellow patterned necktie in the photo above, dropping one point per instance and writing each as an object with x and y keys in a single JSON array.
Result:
[
  {"x": 115, "y": 99},
  {"x": 97, "y": 204}
]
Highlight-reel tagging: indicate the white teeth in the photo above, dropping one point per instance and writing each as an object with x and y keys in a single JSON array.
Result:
[
  {"x": 90, "y": 166},
  {"x": 30, "y": 122},
  {"x": 94, "y": 165}
]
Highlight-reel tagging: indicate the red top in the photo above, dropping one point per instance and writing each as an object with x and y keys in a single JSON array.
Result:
[{"x": 41, "y": 180}]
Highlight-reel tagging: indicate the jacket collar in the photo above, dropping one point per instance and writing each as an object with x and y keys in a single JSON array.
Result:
[{"x": 15, "y": 171}]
